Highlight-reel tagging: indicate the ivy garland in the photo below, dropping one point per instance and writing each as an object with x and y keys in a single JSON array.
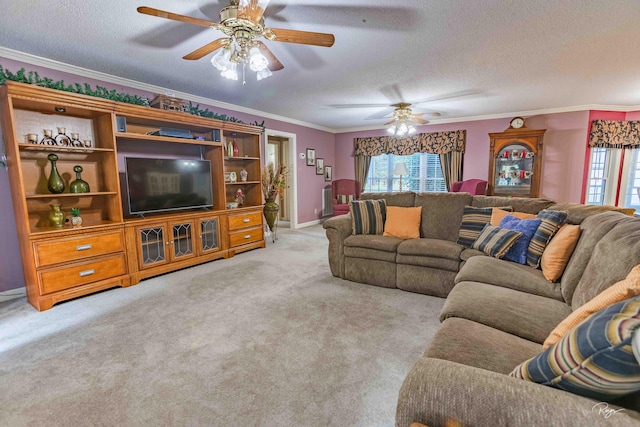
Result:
[{"x": 33, "y": 78}]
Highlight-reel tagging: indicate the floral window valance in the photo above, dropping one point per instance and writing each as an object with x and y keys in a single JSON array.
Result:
[
  {"x": 433, "y": 142},
  {"x": 615, "y": 134}
]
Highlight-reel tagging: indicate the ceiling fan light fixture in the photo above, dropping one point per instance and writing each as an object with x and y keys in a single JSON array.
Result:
[
  {"x": 231, "y": 72},
  {"x": 263, "y": 74},
  {"x": 257, "y": 61},
  {"x": 221, "y": 60}
]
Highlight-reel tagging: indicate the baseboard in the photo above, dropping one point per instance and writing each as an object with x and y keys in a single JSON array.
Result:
[
  {"x": 13, "y": 294},
  {"x": 310, "y": 223}
]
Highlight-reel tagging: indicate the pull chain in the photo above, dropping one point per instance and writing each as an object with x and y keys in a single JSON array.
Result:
[{"x": 244, "y": 81}]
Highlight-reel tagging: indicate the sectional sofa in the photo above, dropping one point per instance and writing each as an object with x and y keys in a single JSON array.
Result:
[{"x": 497, "y": 313}]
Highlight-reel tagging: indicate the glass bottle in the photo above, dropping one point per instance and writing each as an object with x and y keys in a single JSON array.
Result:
[
  {"x": 62, "y": 140},
  {"x": 79, "y": 185},
  {"x": 47, "y": 139},
  {"x": 55, "y": 184},
  {"x": 235, "y": 148}
]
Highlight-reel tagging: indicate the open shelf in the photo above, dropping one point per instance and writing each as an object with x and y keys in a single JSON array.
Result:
[
  {"x": 62, "y": 149},
  {"x": 55, "y": 196},
  {"x": 144, "y": 137}
]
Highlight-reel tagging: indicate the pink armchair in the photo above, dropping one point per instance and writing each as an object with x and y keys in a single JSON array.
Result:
[
  {"x": 473, "y": 186},
  {"x": 344, "y": 187}
]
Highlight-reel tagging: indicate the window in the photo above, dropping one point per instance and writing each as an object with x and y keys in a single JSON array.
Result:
[
  {"x": 425, "y": 173},
  {"x": 614, "y": 178}
]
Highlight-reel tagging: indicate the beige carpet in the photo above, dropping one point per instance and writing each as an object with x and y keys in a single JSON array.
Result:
[{"x": 267, "y": 338}]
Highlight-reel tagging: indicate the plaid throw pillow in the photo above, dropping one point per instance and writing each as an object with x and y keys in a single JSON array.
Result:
[
  {"x": 473, "y": 221},
  {"x": 550, "y": 223},
  {"x": 368, "y": 216},
  {"x": 495, "y": 241},
  {"x": 595, "y": 359},
  {"x": 345, "y": 198}
]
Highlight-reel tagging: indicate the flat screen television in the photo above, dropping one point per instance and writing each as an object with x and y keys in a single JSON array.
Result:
[{"x": 158, "y": 185}]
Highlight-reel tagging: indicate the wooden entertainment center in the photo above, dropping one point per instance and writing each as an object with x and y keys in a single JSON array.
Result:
[{"x": 113, "y": 248}]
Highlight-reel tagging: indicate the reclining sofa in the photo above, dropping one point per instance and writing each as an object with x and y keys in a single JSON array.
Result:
[{"x": 497, "y": 313}]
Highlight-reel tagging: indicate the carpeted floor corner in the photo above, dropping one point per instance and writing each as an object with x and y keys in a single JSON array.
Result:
[{"x": 267, "y": 338}]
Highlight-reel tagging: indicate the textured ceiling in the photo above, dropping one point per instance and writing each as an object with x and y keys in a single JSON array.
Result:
[{"x": 466, "y": 58}]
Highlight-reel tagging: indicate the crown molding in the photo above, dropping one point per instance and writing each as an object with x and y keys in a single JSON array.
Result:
[
  {"x": 526, "y": 113},
  {"x": 134, "y": 84}
]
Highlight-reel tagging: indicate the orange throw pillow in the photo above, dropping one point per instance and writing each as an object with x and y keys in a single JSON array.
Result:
[
  {"x": 557, "y": 253},
  {"x": 497, "y": 214},
  {"x": 624, "y": 289},
  {"x": 403, "y": 222}
]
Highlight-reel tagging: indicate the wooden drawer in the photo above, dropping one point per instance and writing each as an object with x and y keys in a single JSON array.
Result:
[
  {"x": 76, "y": 248},
  {"x": 238, "y": 238},
  {"x": 57, "y": 279},
  {"x": 249, "y": 219}
]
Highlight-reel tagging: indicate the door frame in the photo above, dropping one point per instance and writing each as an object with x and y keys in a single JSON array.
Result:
[{"x": 292, "y": 177}]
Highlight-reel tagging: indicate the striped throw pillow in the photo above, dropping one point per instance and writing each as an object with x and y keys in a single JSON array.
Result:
[
  {"x": 368, "y": 216},
  {"x": 550, "y": 223},
  {"x": 496, "y": 241},
  {"x": 473, "y": 221},
  {"x": 595, "y": 359},
  {"x": 345, "y": 198}
]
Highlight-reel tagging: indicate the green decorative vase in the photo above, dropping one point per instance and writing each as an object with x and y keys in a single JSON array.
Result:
[
  {"x": 56, "y": 216},
  {"x": 55, "y": 183},
  {"x": 271, "y": 209},
  {"x": 78, "y": 186}
]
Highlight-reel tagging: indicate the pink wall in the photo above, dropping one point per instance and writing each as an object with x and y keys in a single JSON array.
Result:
[{"x": 563, "y": 152}]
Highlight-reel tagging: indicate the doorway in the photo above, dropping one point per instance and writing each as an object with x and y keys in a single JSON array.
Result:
[{"x": 280, "y": 148}]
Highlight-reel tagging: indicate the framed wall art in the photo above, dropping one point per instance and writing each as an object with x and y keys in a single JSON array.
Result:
[
  {"x": 319, "y": 166},
  {"x": 311, "y": 157},
  {"x": 328, "y": 174}
]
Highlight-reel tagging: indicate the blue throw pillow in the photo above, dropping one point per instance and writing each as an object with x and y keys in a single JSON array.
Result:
[
  {"x": 595, "y": 359},
  {"x": 518, "y": 252}
]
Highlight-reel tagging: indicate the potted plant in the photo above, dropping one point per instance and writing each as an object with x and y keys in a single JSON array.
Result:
[
  {"x": 76, "y": 219},
  {"x": 273, "y": 182}
]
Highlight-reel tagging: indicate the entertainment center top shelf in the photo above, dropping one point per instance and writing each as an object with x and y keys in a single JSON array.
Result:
[{"x": 131, "y": 136}]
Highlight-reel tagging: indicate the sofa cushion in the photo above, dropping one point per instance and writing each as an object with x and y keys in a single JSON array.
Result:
[
  {"x": 498, "y": 215},
  {"x": 595, "y": 359},
  {"x": 613, "y": 257},
  {"x": 557, "y": 253},
  {"x": 368, "y": 216},
  {"x": 528, "y": 316},
  {"x": 579, "y": 212},
  {"x": 345, "y": 198},
  {"x": 403, "y": 223},
  {"x": 550, "y": 222},
  {"x": 405, "y": 199},
  {"x": 518, "y": 252},
  {"x": 474, "y": 344},
  {"x": 592, "y": 230},
  {"x": 431, "y": 248},
  {"x": 508, "y": 275},
  {"x": 442, "y": 214},
  {"x": 519, "y": 204},
  {"x": 627, "y": 288},
  {"x": 382, "y": 248},
  {"x": 472, "y": 222},
  {"x": 496, "y": 241},
  {"x": 468, "y": 253}
]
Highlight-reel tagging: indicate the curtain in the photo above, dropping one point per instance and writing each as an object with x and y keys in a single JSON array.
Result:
[
  {"x": 362, "y": 168},
  {"x": 451, "y": 165},
  {"x": 615, "y": 134},
  {"x": 434, "y": 143}
]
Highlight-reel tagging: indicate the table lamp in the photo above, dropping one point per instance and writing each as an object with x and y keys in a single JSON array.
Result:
[{"x": 400, "y": 169}]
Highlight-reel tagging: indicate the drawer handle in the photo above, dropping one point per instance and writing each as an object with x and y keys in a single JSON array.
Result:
[
  {"x": 247, "y": 236},
  {"x": 246, "y": 220},
  {"x": 87, "y": 273},
  {"x": 83, "y": 247}
]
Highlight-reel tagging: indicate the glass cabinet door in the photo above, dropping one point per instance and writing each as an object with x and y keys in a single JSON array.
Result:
[
  {"x": 513, "y": 170},
  {"x": 182, "y": 242},
  {"x": 151, "y": 250},
  {"x": 209, "y": 235}
]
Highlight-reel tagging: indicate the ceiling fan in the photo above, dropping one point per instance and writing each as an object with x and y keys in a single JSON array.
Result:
[
  {"x": 242, "y": 22},
  {"x": 404, "y": 119}
]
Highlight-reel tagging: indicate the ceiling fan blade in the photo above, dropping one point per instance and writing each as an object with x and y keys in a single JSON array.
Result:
[
  {"x": 252, "y": 9},
  {"x": 206, "y": 49},
  {"x": 174, "y": 16},
  {"x": 300, "y": 37},
  {"x": 421, "y": 121},
  {"x": 274, "y": 63}
]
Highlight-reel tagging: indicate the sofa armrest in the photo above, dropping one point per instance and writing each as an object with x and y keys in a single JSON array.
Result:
[
  {"x": 337, "y": 228},
  {"x": 436, "y": 391}
]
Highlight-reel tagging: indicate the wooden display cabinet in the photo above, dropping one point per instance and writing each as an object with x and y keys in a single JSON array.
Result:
[
  {"x": 515, "y": 162},
  {"x": 111, "y": 248}
]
